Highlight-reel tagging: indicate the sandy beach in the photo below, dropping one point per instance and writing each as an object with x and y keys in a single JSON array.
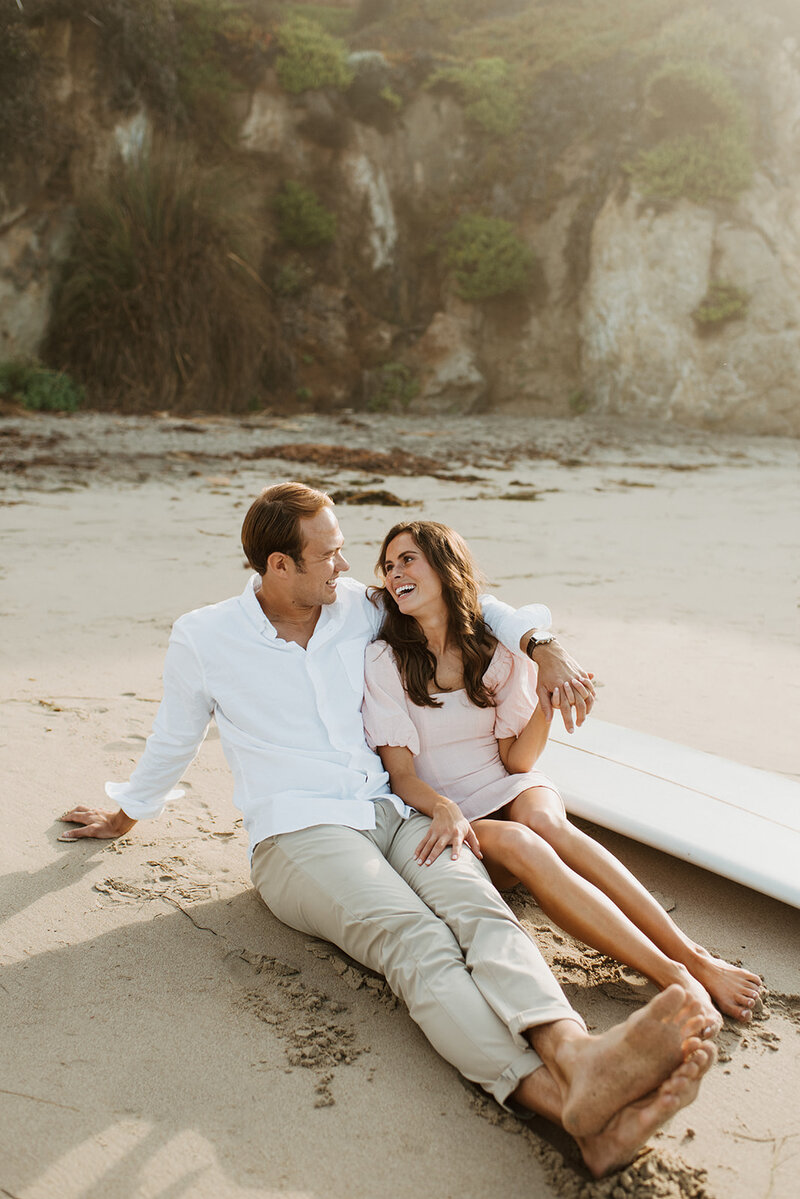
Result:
[{"x": 163, "y": 1035}]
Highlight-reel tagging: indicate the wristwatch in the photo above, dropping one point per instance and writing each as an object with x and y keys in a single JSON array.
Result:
[{"x": 535, "y": 641}]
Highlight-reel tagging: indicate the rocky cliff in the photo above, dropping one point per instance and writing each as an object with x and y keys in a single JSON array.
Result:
[{"x": 648, "y": 289}]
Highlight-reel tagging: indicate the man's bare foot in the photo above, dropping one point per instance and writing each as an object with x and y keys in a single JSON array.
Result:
[
  {"x": 623, "y": 1136},
  {"x": 697, "y": 990},
  {"x": 733, "y": 989},
  {"x": 602, "y": 1075}
]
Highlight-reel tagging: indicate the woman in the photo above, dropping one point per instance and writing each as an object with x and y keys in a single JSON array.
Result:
[{"x": 453, "y": 715}]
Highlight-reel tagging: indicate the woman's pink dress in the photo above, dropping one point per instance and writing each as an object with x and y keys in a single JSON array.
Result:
[{"x": 455, "y": 746}]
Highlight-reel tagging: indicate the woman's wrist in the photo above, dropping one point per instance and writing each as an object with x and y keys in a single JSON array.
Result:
[{"x": 444, "y": 805}]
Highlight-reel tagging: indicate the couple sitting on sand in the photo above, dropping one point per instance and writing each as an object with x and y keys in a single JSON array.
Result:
[{"x": 344, "y": 851}]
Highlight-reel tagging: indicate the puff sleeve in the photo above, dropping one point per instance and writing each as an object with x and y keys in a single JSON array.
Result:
[
  {"x": 514, "y": 682},
  {"x": 385, "y": 707}
]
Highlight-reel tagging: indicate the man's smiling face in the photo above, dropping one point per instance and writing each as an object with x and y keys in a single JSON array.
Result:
[{"x": 314, "y": 583}]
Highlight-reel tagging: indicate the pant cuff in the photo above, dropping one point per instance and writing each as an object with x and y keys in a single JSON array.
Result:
[
  {"x": 512, "y": 1076},
  {"x": 533, "y": 1017}
]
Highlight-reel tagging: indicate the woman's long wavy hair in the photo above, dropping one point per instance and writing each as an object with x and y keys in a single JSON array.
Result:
[{"x": 450, "y": 557}]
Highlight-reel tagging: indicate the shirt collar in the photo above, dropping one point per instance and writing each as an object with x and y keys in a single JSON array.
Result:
[
  {"x": 253, "y": 610},
  {"x": 330, "y": 616}
]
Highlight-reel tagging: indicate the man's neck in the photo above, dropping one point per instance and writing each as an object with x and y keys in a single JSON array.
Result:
[{"x": 290, "y": 623}]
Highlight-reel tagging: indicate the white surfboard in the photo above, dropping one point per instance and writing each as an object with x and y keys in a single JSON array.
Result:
[{"x": 739, "y": 822}]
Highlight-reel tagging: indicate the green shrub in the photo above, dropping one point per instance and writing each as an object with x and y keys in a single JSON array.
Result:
[
  {"x": 702, "y": 151},
  {"x": 291, "y": 279},
  {"x": 569, "y": 34},
  {"x": 487, "y": 258},
  {"x": 390, "y": 97},
  {"x": 700, "y": 33},
  {"x": 394, "y": 384},
  {"x": 723, "y": 302},
  {"x": 205, "y": 84},
  {"x": 332, "y": 20},
  {"x": 491, "y": 93},
  {"x": 715, "y": 165},
  {"x": 303, "y": 221},
  {"x": 310, "y": 57},
  {"x": 158, "y": 305},
  {"x": 38, "y": 388}
]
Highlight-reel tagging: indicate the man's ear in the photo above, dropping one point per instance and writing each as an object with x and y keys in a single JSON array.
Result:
[{"x": 279, "y": 564}]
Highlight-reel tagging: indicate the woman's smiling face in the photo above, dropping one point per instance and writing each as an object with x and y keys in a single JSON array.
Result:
[{"x": 410, "y": 579}]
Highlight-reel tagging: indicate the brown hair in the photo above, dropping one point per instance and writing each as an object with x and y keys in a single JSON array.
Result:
[
  {"x": 272, "y": 523},
  {"x": 450, "y": 557}
]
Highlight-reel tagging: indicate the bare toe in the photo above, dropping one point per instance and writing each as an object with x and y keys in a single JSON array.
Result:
[
  {"x": 627, "y": 1132},
  {"x": 731, "y": 987},
  {"x": 608, "y": 1072}
]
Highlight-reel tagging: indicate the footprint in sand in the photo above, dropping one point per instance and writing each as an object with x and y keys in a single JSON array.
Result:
[
  {"x": 133, "y": 741},
  {"x": 302, "y": 1017},
  {"x": 173, "y": 879}
]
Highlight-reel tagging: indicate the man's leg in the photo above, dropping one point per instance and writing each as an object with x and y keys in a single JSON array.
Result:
[
  {"x": 335, "y": 882},
  {"x": 596, "y": 1076},
  {"x": 504, "y": 961}
]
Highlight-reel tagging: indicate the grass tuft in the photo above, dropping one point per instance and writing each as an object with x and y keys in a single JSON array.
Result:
[
  {"x": 723, "y": 302},
  {"x": 38, "y": 388},
  {"x": 158, "y": 304}
]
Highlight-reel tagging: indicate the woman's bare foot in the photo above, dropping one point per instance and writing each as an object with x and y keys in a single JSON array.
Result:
[
  {"x": 625, "y": 1133},
  {"x": 602, "y": 1075},
  {"x": 697, "y": 990},
  {"x": 733, "y": 989}
]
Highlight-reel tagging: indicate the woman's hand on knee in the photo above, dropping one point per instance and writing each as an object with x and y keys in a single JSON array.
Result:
[{"x": 448, "y": 827}]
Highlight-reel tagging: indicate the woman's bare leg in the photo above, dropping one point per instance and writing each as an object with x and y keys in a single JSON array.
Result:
[
  {"x": 577, "y": 906},
  {"x": 541, "y": 809}
]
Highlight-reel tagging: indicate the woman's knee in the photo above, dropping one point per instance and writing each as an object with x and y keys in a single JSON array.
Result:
[
  {"x": 516, "y": 845},
  {"x": 547, "y": 820}
]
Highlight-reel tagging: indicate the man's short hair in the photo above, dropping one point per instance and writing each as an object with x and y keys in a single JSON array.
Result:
[{"x": 272, "y": 523}]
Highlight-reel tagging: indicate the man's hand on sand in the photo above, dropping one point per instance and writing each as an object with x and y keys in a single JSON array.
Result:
[
  {"x": 563, "y": 684},
  {"x": 95, "y": 822}
]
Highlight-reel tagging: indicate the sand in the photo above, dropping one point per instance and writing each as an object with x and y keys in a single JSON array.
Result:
[{"x": 163, "y": 1035}]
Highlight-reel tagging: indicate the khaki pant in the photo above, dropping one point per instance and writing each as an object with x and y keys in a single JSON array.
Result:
[{"x": 441, "y": 935}]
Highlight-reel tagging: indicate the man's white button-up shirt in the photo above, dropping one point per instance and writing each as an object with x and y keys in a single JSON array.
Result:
[{"x": 289, "y": 718}]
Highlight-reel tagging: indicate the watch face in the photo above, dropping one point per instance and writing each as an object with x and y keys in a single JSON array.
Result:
[{"x": 537, "y": 641}]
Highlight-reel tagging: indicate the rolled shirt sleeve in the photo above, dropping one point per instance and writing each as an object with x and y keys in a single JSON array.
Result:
[
  {"x": 385, "y": 707},
  {"x": 178, "y": 732},
  {"x": 509, "y": 624}
]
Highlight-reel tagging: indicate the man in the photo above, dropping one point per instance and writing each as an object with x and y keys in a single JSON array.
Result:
[{"x": 280, "y": 668}]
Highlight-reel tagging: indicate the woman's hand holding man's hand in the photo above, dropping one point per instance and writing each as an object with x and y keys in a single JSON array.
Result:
[{"x": 448, "y": 827}]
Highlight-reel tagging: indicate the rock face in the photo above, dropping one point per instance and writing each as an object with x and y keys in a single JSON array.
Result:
[
  {"x": 449, "y": 376},
  {"x": 618, "y": 333},
  {"x": 641, "y": 350},
  {"x": 88, "y": 134}
]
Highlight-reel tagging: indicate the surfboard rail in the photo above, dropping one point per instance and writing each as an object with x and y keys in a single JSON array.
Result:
[{"x": 737, "y": 821}]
